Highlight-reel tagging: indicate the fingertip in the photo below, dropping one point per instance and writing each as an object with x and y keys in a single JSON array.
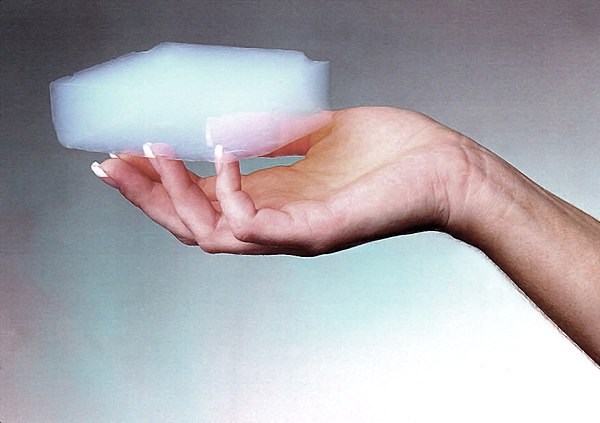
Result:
[
  {"x": 101, "y": 173},
  {"x": 162, "y": 155},
  {"x": 218, "y": 158},
  {"x": 98, "y": 171},
  {"x": 147, "y": 148},
  {"x": 161, "y": 150},
  {"x": 229, "y": 178},
  {"x": 236, "y": 205}
]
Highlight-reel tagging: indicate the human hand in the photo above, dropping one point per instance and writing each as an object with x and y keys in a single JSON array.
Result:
[{"x": 372, "y": 173}]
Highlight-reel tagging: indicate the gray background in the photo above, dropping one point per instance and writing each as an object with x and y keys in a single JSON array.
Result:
[{"x": 104, "y": 317}]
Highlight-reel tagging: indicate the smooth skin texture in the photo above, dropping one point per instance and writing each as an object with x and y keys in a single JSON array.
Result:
[{"x": 375, "y": 173}]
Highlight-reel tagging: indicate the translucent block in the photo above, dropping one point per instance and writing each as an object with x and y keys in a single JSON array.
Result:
[{"x": 192, "y": 97}]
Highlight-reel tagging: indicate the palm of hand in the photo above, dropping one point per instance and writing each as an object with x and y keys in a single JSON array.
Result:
[{"x": 374, "y": 172}]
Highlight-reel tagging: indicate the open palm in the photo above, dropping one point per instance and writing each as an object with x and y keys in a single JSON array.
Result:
[{"x": 372, "y": 173}]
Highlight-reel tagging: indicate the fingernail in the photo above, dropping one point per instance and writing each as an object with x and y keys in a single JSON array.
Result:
[
  {"x": 113, "y": 156},
  {"x": 148, "y": 150},
  {"x": 150, "y": 154},
  {"x": 100, "y": 173},
  {"x": 218, "y": 158}
]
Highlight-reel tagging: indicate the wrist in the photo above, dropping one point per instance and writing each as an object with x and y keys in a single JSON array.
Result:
[{"x": 484, "y": 193}]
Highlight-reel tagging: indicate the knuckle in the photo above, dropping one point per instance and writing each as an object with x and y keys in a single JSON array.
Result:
[
  {"x": 243, "y": 232},
  {"x": 186, "y": 241},
  {"x": 189, "y": 242},
  {"x": 209, "y": 248}
]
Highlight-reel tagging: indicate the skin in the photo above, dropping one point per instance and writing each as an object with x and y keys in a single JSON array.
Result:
[{"x": 375, "y": 173}]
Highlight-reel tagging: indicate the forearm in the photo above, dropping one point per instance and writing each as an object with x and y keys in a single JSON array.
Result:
[{"x": 549, "y": 248}]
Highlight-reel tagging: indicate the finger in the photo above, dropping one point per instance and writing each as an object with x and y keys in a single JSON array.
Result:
[
  {"x": 207, "y": 185},
  {"x": 151, "y": 196},
  {"x": 144, "y": 165},
  {"x": 100, "y": 173},
  {"x": 148, "y": 195},
  {"x": 190, "y": 202},
  {"x": 226, "y": 243},
  {"x": 240, "y": 207},
  {"x": 290, "y": 229}
]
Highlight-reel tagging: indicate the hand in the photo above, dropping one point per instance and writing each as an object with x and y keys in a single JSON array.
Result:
[{"x": 372, "y": 173}]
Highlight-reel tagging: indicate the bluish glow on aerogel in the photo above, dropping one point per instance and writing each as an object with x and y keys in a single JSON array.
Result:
[{"x": 193, "y": 97}]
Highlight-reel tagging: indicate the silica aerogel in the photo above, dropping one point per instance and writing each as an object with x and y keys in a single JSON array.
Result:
[{"x": 192, "y": 97}]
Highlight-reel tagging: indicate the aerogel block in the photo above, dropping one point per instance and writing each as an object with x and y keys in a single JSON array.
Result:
[{"x": 192, "y": 97}]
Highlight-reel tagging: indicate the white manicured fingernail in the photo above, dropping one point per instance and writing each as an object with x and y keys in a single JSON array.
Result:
[
  {"x": 219, "y": 152},
  {"x": 113, "y": 156},
  {"x": 218, "y": 158},
  {"x": 148, "y": 150},
  {"x": 98, "y": 170}
]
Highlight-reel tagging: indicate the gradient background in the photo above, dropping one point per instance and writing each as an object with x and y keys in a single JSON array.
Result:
[{"x": 105, "y": 317}]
